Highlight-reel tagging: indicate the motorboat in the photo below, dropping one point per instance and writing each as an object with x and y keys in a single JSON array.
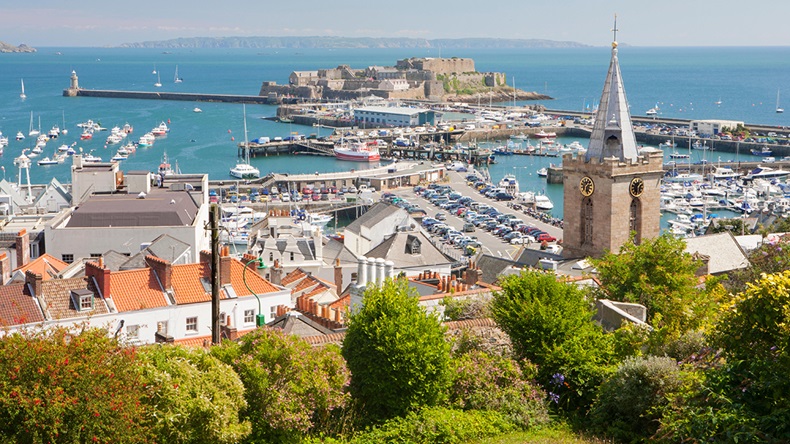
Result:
[
  {"x": 358, "y": 151},
  {"x": 509, "y": 184},
  {"x": 543, "y": 203},
  {"x": 723, "y": 173},
  {"x": 764, "y": 172},
  {"x": 160, "y": 130},
  {"x": 197, "y": 110},
  {"x": 86, "y": 135},
  {"x": 47, "y": 161},
  {"x": 763, "y": 152},
  {"x": 146, "y": 139},
  {"x": 543, "y": 172},
  {"x": 54, "y": 132},
  {"x": 544, "y": 135},
  {"x": 651, "y": 112},
  {"x": 19, "y": 135}
]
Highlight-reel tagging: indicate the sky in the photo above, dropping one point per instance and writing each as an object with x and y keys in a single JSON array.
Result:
[{"x": 43, "y": 23}]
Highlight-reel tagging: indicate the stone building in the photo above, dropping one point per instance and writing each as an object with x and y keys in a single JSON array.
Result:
[{"x": 610, "y": 191}]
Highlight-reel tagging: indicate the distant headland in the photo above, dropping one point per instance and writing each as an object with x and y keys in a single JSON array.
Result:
[
  {"x": 350, "y": 42},
  {"x": 5, "y": 47}
]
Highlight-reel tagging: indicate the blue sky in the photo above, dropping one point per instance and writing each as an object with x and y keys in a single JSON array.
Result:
[{"x": 641, "y": 22}]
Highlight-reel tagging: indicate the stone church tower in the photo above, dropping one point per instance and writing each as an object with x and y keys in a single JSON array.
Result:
[{"x": 611, "y": 190}]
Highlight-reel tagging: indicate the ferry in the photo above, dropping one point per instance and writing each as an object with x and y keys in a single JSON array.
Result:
[{"x": 358, "y": 151}]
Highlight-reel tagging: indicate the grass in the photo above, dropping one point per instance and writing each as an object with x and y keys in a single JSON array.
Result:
[{"x": 556, "y": 434}]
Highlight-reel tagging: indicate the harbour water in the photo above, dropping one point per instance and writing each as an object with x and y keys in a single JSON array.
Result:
[{"x": 725, "y": 83}]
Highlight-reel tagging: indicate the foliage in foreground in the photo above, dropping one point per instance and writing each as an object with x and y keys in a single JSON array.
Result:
[
  {"x": 630, "y": 402},
  {"x": 195, "y": 397},
  {"x": 291, "y": 388},
  {"x": 396, "y": 352},
  {"x": 550, "y": 324},
  {"x": 61, "y": 385},
  {"x": 490, "y": 382}
]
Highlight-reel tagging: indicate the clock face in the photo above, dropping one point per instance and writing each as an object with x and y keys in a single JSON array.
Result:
[
  {"x": 586, "y": 186},
  {"x": 637, "y": 186}
]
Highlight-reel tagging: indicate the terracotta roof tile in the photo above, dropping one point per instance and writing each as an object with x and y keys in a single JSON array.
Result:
[
  {"x": 188, "y": 288},
  {"x": 56, "y": 293},
  {"x": 202, "y": 341},
  {"x": 256, "y": 282},
  {"x": 45, "y": 265},
  {"x": 16, "y": 307},
  {"x": 306, "y": 283},
  {"x": 293, "y": 277},
  {"x": 135, "y": 290}
]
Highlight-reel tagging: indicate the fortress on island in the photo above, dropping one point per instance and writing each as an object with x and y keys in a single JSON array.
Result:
[{"x": 413, "y": 78}]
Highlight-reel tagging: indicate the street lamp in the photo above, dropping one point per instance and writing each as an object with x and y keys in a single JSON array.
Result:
[{"x": 260, "y": 320}]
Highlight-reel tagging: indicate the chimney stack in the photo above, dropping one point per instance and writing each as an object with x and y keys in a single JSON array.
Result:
[
  {"x": 22, "y": 248},
  {"x": 362, "y": 271},
  {"x": 379, "y": 271},
  {"x": 163, "y": 270},
  {"x": 224, "y": 266},
  {"x": 338, "y": 276},
  {"x": 34, "y": 280},
  {"x": 277, "y": 273},
  {"x": 5, "y": 268},
  {"x": 101, "y": 275},
  {"x": 389, "y": 269}
]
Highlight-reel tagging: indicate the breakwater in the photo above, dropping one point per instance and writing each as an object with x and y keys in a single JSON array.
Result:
[{"x": 153, "y": 95}]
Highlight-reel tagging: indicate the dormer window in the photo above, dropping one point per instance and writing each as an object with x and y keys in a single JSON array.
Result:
[
  {"x": 82, "y": 299},
  {"x": 413, "y": 245}
]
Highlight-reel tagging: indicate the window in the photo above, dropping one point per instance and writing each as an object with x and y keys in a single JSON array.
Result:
[
  {"x": 249, "y": 316},
  {"x": 86, "y": 302},
  {"x": 67, "y": 258},
  {"x": 635, "y": 224},
  {"x": 192, "y": 325},
  {"x": 95, "y": 255},
  {"x": 272, "y": 312},
  {"x": 587, "y": 221},
  {"x": 292, "y": 256},
  {"x": 271, "y": 256},
  {"x": 133, "y": 331}
]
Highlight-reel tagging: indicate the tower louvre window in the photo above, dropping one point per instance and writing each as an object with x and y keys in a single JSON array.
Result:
[
  {"x": 587, "y": 221},
  {"x": 635, "y": 221}
]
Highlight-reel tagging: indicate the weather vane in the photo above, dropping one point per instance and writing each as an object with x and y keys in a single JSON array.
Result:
[{"x": 614, "y": 30}]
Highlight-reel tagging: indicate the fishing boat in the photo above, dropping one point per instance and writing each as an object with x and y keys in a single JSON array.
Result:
[
  {"x": 86, "y": 135},
  {"x": 164, "y": 167},
  {"x": 146, "y": 139},
  {"x": 358, "y": 151},
  {"x": 677, "y": 155},
  {"x": 177, "y": 79},
  {"x": 700, "y": 146},
  {"x": 22, "y": 95},
  {"x": 544, "y": 135},
  {"x": 243, "y": 170},
  {"x": 160, "y": 130},
  {"x": 763, "y": 152}
]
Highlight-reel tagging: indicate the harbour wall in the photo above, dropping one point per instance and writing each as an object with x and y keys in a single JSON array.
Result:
[{"x": 187, "y": 97}]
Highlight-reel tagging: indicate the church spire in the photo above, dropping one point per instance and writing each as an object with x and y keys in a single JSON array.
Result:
[{"x": 613, "y": 134}]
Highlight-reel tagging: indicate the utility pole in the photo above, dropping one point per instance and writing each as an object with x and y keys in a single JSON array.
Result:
[{"x": 213, "y": 221}]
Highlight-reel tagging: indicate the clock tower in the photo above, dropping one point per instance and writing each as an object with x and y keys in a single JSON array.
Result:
[{"x": 611, "y": 190}]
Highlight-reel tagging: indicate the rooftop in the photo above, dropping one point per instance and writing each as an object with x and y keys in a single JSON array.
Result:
[{"x": 160, "y": 208}]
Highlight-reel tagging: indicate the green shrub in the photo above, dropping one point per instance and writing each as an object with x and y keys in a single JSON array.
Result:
[
  {"x": 489, "y": 382},
  {"x": 550, "y": 324},
  {"x": 458, "y": 309},
  {"x": 630, "y": 402},
  {"x": 291, "y": 388},
  {"x": 437, "y": 425},
  {"x": 197, "y": 398},
  {"x": 396, "y": 352}
]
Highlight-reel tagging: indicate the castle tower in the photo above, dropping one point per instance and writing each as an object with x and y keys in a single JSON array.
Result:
[{"x": 611, "y": 190}]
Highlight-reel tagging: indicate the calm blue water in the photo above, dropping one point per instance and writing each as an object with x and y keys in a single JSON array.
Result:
[{"x": 685, "y": 82}]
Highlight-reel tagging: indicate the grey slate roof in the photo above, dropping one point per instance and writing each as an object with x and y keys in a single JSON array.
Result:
[
  {"x": 295, "y": 323},
  {"x": 395, "y": 248},
  {"x": 334, "y": 249},
  {"x": 58, "y": 187},
  {"x": 164, "y": 247},
  {"x": 158, "y": 209},
  {"x": 722, "y": 249},
  {"x": 374, "y": 215}
]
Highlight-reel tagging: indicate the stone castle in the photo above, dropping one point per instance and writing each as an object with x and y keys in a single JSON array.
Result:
[{"x": 414, "y": 78}]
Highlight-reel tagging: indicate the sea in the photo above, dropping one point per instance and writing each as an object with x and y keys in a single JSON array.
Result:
[{"x": 738, "y": 83}]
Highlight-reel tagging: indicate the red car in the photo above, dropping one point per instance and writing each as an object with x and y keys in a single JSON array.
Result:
[
  {"x": 316, "y": 196},
  {"x": 546, "y": 237},
  {"x": 307, "y": 191}
]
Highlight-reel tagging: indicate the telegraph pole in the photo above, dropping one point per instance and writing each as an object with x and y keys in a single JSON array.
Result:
[{"x": 213, "y": 221}]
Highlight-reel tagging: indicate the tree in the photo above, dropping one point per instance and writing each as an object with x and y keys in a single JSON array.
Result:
[
  {"x": 768, "y": 258},
  {"x": 291, "y": 388},
  {"x": 396, "y": 352},
  {"x": 550, "y": 324},
  {"x": 65, "y": 385},
  {"x": 195, "y": 397},
  {"x": 660, "y": 275}
]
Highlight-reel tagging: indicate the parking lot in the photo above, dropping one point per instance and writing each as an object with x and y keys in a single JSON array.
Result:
[{"x": 470, "y": 219}]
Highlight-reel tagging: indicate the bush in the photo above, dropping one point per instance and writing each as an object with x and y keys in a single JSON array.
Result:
[
  {"x": 396, "y": 352},
  {"x": 550, "y": 324},
  {"x": 63, "y": 385},
  {"x": 630, "y": 402},
  {"x": 459, "y": 309},
  {"x": 291, "y": 388},
  {"x": 437, "y": 425},
  {"x": 489, "y": 382},
  {"x": 197, "y": 398}
]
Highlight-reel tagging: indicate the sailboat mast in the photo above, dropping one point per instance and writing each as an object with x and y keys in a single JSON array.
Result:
[{"x": 246, "y": 144}]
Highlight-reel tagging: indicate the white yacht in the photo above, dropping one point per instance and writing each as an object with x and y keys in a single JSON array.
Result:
[
  {"x": 509, "y": 184},
  {"x": 243, "y": 170}
]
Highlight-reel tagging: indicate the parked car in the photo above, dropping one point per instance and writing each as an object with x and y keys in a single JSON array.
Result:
[
  {"x": 469, "y": 227},
  {"x": 503, "y": 196},
  {"x": 546, "y": 237},
  {"x": 441, "y": 216}
]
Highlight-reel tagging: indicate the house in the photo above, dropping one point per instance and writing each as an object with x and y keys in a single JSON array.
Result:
[
  {"x": 372, "y": 228},
  {"x": 720, "y": 253},
  {"x": 412, "y": 252},
  {"x": 53, "y": 198},
  {"x": 47, "y": 266}
]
